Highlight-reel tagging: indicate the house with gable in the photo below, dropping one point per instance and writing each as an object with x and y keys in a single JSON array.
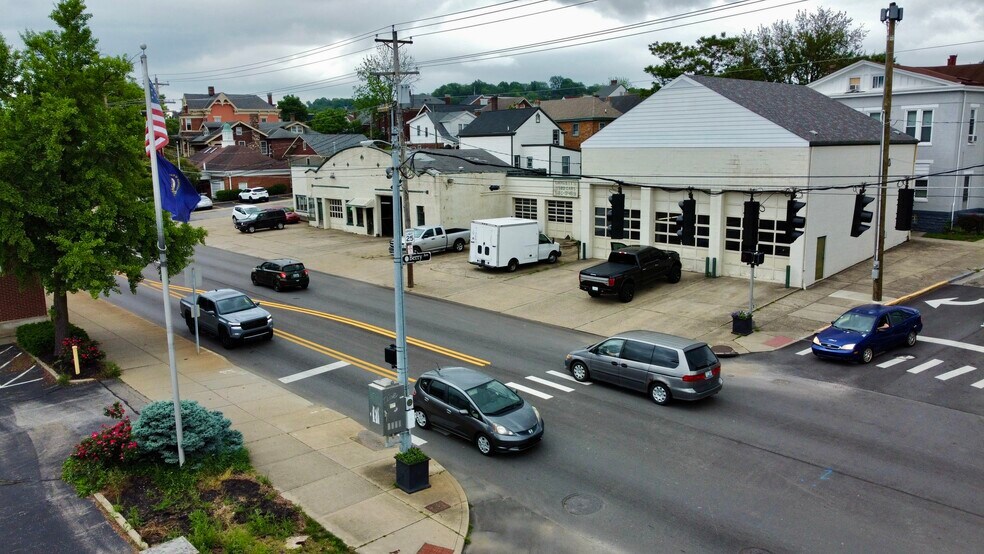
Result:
[
  {"x": 728, "y": 141},
  {"x": 940, "y": 106},
  {"x": 437, "y": 127},
  {"x": 579, "y": 117},
  {"x": 524, "y": 138},
  {"x": 199, "y": 109},
  {"x": 614, "y": 88},
  {"x": 229, "y": 166}
]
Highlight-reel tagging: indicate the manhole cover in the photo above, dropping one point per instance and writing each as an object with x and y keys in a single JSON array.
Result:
[
  {"x": 582, "y": 504},
  {"x": 754, "y": 550}
]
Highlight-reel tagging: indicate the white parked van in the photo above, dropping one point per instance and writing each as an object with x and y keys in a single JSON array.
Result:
[{"x": 508, "y": 242}]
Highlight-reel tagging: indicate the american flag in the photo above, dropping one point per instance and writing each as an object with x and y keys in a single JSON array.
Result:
[{"x": 160, "y": 129}]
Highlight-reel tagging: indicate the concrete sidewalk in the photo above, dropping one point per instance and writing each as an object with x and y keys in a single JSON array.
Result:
[{"x": 328, "y": 464}]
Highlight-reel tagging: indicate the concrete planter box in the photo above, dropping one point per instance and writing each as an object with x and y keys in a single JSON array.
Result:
[
  {"x": 742, "y": 326},
  {"x": 413, "y": 477}
]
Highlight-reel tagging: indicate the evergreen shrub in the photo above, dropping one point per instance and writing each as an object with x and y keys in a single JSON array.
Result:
[{"x": 204, "y": 432}]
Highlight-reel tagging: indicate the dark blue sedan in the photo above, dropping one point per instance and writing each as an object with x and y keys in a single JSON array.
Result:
[{"x": 867, "y": 330}]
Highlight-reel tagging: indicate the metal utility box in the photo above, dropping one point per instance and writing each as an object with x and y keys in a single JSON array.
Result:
[{"x": 386, "y": 407}]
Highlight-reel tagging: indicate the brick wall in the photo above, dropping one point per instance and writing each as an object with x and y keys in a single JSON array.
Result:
[
  {"x": 587, "y": 128},
  {"x": 17, "y": 303}
]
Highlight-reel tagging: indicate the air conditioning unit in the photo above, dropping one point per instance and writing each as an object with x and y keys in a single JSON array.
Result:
[
  {"x": 853, "y": 88},
  {"x": 972, "y": 139}
]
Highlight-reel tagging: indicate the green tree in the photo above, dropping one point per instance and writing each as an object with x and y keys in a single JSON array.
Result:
[
  {"x": 375, "y": 90},
  {"x": 331, "y": 121},
  {"x": 8, "y": 71},
  {"x": 291, "y": 107},
  {"x": 76, "y": 205},
  {"x": 324, "y": 103}
]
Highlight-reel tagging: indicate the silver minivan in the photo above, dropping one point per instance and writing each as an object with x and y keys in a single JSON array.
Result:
[{"x": 664, "y": 366}]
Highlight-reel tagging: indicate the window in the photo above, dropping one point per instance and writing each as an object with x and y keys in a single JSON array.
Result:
[
  {"x": 217, "y": 119},
  {"x": 610, "y": 347},
  {"x": 418, "y": 130},
  {"x": 241, "y": 143},
  {"x": 297, "y": 129},
  {"x": 769, "y": 236},
  {"x": 922, "y": 189},
  {"x": 529, "y": 162},
  {"x": 461, "y": 127},
  {"x": 972, "y": 126},
  {"x": 359, "y": 222},
  {"x": 349, "y": 215},
  {"x": 665, "y": 357},
  {"x": 897, "y": 317},
  {"x": 537, "y": 118},
  {"x": 239, "y": 131},
  {"x": 875, "y": 115},
  {"x": 919, "y": 124},
  {"x": 565, "y": 165},
  {"x": 263, "y": 120},
  {"x": 264, "y": 148},
  {"x": 854, "y": 84},
  {"x": 877, "y": 81},
  {"x": 601, "y": 126},
  {"x": 637, "y": 352},
  {"x": 335, "y": 210},
  {"x": 187, "y": 124},
  {"x": 516, "y": 160},
  {"x": 439, "y": 390},
  {"x": 666, "y": 228},
  {"x": 633, "y": 219},
  {"x": 301, "y": 203},
  {"x": 556, "y": 136},
  {"x": 966, "y": 188},
  {"x": 524, "y": 208},
  {"x": 426, "y": 132},
  {"x": 420, "y": 216},
  {"x": 576, "y": 129},
  {"x": 560, "y": 211},
  {"x": 458, "y": 400}
]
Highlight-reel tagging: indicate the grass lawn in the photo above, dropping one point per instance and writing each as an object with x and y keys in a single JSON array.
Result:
[{"x": 955, "y": 235}]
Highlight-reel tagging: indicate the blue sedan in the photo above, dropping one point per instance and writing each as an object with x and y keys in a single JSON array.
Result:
[{"x": 867, "y": 330}]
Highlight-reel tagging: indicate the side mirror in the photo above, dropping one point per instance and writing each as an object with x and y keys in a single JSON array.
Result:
[{"x": 256, "y": 302}]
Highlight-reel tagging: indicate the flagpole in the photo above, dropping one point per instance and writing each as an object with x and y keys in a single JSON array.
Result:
[{"x": 162, "y": 250}]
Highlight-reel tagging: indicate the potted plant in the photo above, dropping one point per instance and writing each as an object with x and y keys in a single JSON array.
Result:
[
  {"x": 741, "y": 322},
  {"x": 412, "y": 470}
]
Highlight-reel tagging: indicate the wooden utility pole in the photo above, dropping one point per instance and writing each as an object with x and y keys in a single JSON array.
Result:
[{"x": 892, "y": 14}]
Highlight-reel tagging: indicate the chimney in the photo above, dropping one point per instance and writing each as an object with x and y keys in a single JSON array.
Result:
[
  {"x": 447, "y": 99},
  {"x": 494, "y": 102},
  {"x": 952, "y": 61},
  {"x": 211, "y": 91},
  {"x": 270, "y": 98},
  {"x": 614, "y": 82}
]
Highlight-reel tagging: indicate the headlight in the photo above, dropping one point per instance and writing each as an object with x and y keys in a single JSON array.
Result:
[
  {"x": 568, "y": 357},
  {"x": 269, "y": 318},
  {"x": 500, "y": 430},
  {"x": 816, "y": 340},
  {"x": 537, "y": 412},
  {"x": 848, "y": 346},
  {"x": 235, "y": 325}
]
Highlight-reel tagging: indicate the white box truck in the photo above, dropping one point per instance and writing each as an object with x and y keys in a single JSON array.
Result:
[{"x": 508, "y": 242}]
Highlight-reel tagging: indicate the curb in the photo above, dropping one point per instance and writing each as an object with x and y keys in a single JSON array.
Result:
[
  {"x": 121, "y": 521},
  {"x": 57, "y": 375}
]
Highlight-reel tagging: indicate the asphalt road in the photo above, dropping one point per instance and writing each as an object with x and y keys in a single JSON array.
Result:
[{"x": 776, "y": 461}]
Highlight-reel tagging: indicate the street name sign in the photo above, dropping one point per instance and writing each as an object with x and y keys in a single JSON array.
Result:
[{"x": 418, "y": 257}]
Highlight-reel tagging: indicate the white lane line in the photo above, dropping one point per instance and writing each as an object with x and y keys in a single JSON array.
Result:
[
  {"x": 10, "y": 360},
  {"x": 312, "y": 372},
  {"x": 979, "y": 384},
  {"x": 417, "y": 441},
  {"x": 8, "y": 383},
  {"x": 4, "y": 351},
  {"x": 549, "y": 384},
  {"x": 923, "y": 367},
  {"x": 956, "y": 344},
  {"x": 804, "y": 352},
  {"x": 528, "y": 390},
  {"x": 19, "y": 384},
  {"x": 566, "y": 376},
  {"x": 955, "y": 372},
  {"x": 895, "y": 361}
]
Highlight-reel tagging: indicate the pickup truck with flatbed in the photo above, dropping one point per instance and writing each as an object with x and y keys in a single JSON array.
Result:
[
  {"x": 229, "y": 315},
  {"x": 629, "y": 267},
  {"x": 435, "y": 238}
]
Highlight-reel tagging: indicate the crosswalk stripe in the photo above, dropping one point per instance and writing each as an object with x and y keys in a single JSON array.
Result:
[
  {"x": 955, "y": 372},
  {"x": 312, "y": 372},
  {"x": 549, "y": 383},
  {"x": 565, "y": 376},
  {"x": 957, "y": 344},
  {"x": 804, "y": 352},
  {"x": 895, "y": 361},
  {"x": 979, "y": 384},
  {"x": 417, "y": 441},
  {"x": 528, "y": 390},
  {"x": 923, "y": 367}
]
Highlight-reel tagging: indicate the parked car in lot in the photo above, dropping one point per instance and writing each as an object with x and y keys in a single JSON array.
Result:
[
  {"x": 292, "y": 216},
  {"x": 281, "y": 274},
  {"x": 629, "y": 267},
  {"x": 255, "y": 194},
  {"x": 477, "y": 408},
  {"x": 270, "y": 218},
  {"x": 204, "y": 202},
  {"x": 861, "y": 333},
  {"x": 508, "y": 242},
  {"x": 436, "y": 238},
  {"x": 664, "y": 366},
  {"x": 228, "y": 314},
  {"x": 241, "y": 212}
]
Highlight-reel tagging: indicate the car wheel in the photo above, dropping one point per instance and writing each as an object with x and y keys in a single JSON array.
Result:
[
  {"x": 190, "y": 321},
  {"x": 594, "y": 293},
  {"x": 459, "y": 245},
  {"x": 304, "y": 286},
  {"x": 910, "y": 339},
  {"x": 552, "y": 258},
  {"x": 627, "y": 292},
  {"x": 484, "y": 444},
  {"x": 421, "y": 418},
  {"x": 268, "y": 337},
  {"x": 280, "y": 226},
  {"x": 252, "y": 277},
  {"x": 579, "y": 371},
  {"x": 251, "y": 229},
  {"x": 227, "y": 341},
  {"x": 512, "y": 265},
  {"x": 659, "y": 393},
  {"x": 276, "y": 286},
  {"x": 416, "y": 250},
  {"x": 674, "y": 275},
  {"x": 867, "y": 355}
]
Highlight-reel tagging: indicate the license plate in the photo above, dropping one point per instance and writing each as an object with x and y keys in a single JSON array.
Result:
[
  {"x": 708, "y": 374},
  {"x": 594, "y": 288},
  {"x": 295, "y": 275}
]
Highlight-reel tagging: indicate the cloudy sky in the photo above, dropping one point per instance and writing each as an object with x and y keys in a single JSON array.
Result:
[{"x": 311, "y": 47}]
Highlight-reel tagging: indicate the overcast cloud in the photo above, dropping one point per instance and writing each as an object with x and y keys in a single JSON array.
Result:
[{"x": 194, "y": 44}]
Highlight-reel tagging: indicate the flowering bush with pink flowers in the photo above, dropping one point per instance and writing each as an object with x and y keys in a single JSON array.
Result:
[
  {"x": 90, "y": 356},
  {"x": 109, "y": 445}
]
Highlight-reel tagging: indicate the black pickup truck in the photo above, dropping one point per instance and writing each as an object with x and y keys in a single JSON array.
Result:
[{"x": 629, "y": 267}]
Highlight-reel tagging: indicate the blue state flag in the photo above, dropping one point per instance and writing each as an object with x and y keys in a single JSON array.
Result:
[{"x": 178, "y": 195}]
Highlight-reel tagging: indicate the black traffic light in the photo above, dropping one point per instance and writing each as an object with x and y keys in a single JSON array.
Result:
[
  {"x": 686, "y": 222},
  {"x": 903, "y": 216},
  {"x": 861, "y": 216},
  {"x": 616, "y": 216},
  {"x": 750, "y": 227},
  {"x": 389, "y": 354},
  {"x": 793, "y": 222}
]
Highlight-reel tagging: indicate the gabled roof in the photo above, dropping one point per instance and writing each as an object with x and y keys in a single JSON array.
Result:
[
  {"x": 448, "y": 160},
  {"x": 499, "y": 122},
  {"x": 236, "y": 158},
  {"x": 810, "y": 115},
  {"x": 329, "y": 145},
  {"x": 966, "y": 74},
  {"x": 625, "y": 102},
  {"x": 579, "y": 109},
  {"x": 280, "y": 129},
  {"x": 442, "y": 107},
  {"x": 240, "y": 101},
  {"x": 504, "y": 103},
  {"x": 606, "y": 91}
]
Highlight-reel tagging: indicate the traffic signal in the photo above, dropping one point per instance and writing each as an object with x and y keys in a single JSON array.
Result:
[
  {"x": 861, "y": 216},
  {"x": 750, "y": 227},
  {"x": 793, "y": 222},
  {"x": 616, "y": 216},
  {"x": 686, "y": 222},
  {"x": 903, "y": 216}
]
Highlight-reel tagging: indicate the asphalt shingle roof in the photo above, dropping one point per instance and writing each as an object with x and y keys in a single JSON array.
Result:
[
  {"x": 241, "y": 101},
  {"x": 803, "y": 111},
  {"x": 625, "y": 102},
  {"x": 500, "y": 122},
  {"x": 448, "y": 160},
  {"x": 577, "y": 109},
  {"x": 236, "y": 158},
  {"x": 328, "y": 145},
  {"x": 965, "y": 74}
]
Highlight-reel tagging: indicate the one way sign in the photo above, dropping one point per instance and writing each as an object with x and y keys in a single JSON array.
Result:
[{"x": 418, "y": 257}]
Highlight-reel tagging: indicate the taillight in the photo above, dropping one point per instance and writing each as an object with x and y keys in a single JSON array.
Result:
[
  {"x": 305, "y": 272},
  {"x": 283, "y": 275},
  {"x": 611, "y": 281},
  {"x": 692, "y": 378}
]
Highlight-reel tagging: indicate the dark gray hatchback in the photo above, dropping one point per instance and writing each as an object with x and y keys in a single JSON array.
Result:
[{"x": 477, "y": 408}]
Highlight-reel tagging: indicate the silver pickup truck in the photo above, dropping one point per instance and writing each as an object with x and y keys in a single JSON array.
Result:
[
  {"x": 228, "y": 314},
  {"x": 435, "y": 238}
]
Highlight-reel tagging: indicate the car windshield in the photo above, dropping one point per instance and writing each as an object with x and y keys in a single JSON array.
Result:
[
  {"x": 418, "y": 232},
  {"x": 851, "y": 321},
  {"x": 293, "y": 267},
  {"x": 249, "y": 209},
  {"x": 700, "y": 358},
  {"x": 493, "y": 398},
  {"x": 234, "y": 304}
]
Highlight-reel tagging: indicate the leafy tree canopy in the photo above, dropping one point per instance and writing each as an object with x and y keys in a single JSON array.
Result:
[
  {"x": 76, "y": 207},
  {"x": 557, "y": 87},
  {"x": 291, "y": 107},
  {"x": 334, "y": 120},
  {"x": 324, "y": 103},
  {"x": 376, "y": 89}
]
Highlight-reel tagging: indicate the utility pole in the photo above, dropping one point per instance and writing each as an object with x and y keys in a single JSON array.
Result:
[
  {"x": 177, "y": 144},
  {"x": 892, "y": 14}
]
